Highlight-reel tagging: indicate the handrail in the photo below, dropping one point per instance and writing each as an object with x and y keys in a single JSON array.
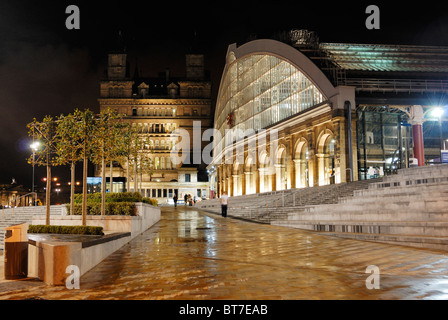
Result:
[{"x": 408, "y": 85}]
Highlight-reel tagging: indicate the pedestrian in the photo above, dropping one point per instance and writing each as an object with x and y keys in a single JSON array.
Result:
[
  {"x": 175, "y": 200},
  {"x": 224, "y": 202},
  {"x": 185, "y": 199}
]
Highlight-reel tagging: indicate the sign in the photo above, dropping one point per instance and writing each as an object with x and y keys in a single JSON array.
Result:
[{"x": 444, "y": 154}]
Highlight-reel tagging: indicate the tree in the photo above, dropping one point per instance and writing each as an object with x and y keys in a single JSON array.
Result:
[
  {"x": 145, "y": 164},
  {"x": 45, "y": 132},
  {"x": 86, "y": 130},
  {"x": 130, "y": 144},
  {"x": 105, "y": 145},
  {"x": 69, "y": 146}
]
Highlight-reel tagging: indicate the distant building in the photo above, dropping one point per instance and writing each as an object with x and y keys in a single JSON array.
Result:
[
  {"x": 13, "y": 195},
  {"x": 158, "y": 106}
]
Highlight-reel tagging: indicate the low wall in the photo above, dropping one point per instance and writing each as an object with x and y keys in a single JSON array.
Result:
[
  {"x": 48, "y": 259},
  {"x": 147, "y": 216}
]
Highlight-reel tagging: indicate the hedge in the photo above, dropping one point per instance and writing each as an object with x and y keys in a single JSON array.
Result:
[
  {"x": 116, "y": 197},
  {"x": 112, "y": 208},
  {"x": 86, "y": 230},
  {"x": 150, "y": 201}
]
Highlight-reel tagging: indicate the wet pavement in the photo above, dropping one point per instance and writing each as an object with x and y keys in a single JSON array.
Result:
[{"x": 200, "y": 256}]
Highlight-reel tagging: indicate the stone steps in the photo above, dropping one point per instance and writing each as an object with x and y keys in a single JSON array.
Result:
[
  {"x": 9, "y": 217},
  {"x": 428, "y": 242},
  {"x": 411, "y": 205}
]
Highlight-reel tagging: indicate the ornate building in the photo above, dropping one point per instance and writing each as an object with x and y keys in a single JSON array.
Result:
[
  {"x": 339, "y": 112},
  {"x": 158, "y": 106}
]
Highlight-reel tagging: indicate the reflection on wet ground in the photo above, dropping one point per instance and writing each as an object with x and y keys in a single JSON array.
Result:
[{"x": 193, "y": 255}]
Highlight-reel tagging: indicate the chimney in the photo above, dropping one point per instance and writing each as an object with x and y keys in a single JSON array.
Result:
[{"x": 167, "y": 75}]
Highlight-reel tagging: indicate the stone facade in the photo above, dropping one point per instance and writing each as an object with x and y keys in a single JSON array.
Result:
[{"x": 158, "y": 106}]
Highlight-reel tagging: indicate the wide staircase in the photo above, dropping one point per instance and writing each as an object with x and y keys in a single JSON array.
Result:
[
  {"x": 272, "y": 206},
  {"x": 410, "y": 208},
  {"x": 10, "y": 217}
]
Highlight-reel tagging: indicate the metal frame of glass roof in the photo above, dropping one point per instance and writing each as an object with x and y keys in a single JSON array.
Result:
[{"x": 398, "y": 58}]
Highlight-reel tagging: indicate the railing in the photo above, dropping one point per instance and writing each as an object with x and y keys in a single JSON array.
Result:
[{"x": 398, "y": 85}]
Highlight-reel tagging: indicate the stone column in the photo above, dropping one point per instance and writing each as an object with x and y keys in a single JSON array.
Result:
[
  {"x": 298, "y": 174},
  {"x": 244, "y": 182},
  {"x": 261, "y": 172},
  {"x": 272, "y": 183},
  {"x": 235, "y": 185},
  {"x": 290, "y": 176},
  {"x": 256, "y": 186},
  {"x": 417, "y": 118},
  {"x": 248, "y": 183},
  {"x": 320, "y": 164},
  {"x": 278, "y": 177}
]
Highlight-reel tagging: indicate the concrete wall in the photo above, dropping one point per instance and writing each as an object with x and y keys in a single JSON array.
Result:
[
  {"x": 48, "y": 260},
  {"x": 147, "y": 216}
]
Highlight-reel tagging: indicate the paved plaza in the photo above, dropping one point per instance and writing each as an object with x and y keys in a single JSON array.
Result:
[{"x": 195, "y": 255}]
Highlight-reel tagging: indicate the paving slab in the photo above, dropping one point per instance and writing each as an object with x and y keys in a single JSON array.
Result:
[{"x": 194, "y": 255}]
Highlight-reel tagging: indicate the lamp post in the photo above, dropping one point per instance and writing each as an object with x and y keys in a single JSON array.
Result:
[{"x": 34, "y": 146}]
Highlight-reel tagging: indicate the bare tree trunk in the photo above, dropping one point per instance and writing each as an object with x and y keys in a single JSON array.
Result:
[
  {"x": 84, "y": 190},
  {"x": 111, "y": 175},
  {"x": 128, "y": 176},
  {"x": 47, "y": 199},
  {"x": 141, "y": 180},
  {"x": 135, "y": 175},
  {"x": 72, "y": 189},
  {"x": 103, "y": 186}
]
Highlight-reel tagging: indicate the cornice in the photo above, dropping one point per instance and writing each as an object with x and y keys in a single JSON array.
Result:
[{"x": 149, "y": 102}]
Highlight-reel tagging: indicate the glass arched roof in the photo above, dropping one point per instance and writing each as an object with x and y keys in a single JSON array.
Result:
[{"x": 260, "y": 90}]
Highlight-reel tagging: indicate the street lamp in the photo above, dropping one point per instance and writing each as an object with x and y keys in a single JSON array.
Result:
[{"x": 34, "y": 146}]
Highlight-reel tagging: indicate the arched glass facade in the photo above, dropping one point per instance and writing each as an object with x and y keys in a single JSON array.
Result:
[{"x": 260, "y": 90}]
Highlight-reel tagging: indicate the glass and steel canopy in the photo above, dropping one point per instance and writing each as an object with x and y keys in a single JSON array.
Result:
[{"x": 260, "y": 90}]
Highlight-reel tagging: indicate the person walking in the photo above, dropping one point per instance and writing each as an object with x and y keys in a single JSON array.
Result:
[
  {"x": 175, "y": 200},
  {"x": 185, "y": 199},
  {"x": 224, "y": 202}
]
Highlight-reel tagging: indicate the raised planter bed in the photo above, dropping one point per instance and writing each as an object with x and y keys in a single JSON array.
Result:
[{"x": 49, "y": 255}]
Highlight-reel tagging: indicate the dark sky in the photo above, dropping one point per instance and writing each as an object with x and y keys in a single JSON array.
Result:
[{"x": 47, "y": 69}]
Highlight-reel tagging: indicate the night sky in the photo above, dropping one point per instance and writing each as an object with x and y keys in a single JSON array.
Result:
[{"x": 47, "y": 69}]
